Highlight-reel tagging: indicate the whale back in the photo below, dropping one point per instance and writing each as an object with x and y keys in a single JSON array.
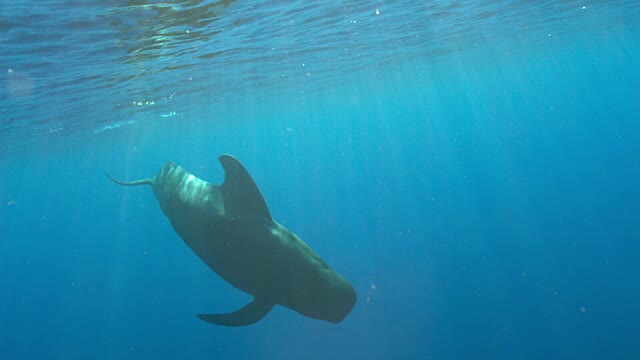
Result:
[{"x": 182, "y": 195}]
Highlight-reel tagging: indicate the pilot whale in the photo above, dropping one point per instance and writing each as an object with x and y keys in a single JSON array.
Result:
[{"x": 229, "y": 227}]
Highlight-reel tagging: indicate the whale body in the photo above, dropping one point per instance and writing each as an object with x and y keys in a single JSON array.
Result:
[{"x": 229, "y": 227}]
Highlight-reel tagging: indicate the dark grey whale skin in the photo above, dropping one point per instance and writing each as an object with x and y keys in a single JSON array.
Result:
[{"x": 231, "y": 230}]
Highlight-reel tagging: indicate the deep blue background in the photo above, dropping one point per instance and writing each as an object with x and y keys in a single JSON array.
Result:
[{"x": 483, "y": 208}]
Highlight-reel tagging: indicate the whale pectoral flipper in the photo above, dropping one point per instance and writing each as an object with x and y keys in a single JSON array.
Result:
[{"x": 246, "y": 315}]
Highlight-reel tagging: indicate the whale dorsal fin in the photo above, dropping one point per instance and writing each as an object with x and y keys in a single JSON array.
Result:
[{"x": 239, "y": 191}]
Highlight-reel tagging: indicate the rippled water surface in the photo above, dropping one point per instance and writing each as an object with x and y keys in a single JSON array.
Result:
[{"x": 77, "y": 68}]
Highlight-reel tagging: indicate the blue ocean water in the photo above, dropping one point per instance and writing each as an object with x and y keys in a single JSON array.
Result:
[{"x": 470, "y": 167}]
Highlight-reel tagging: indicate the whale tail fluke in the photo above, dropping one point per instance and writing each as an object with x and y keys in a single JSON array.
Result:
[{"x": 144, "y": 181}]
